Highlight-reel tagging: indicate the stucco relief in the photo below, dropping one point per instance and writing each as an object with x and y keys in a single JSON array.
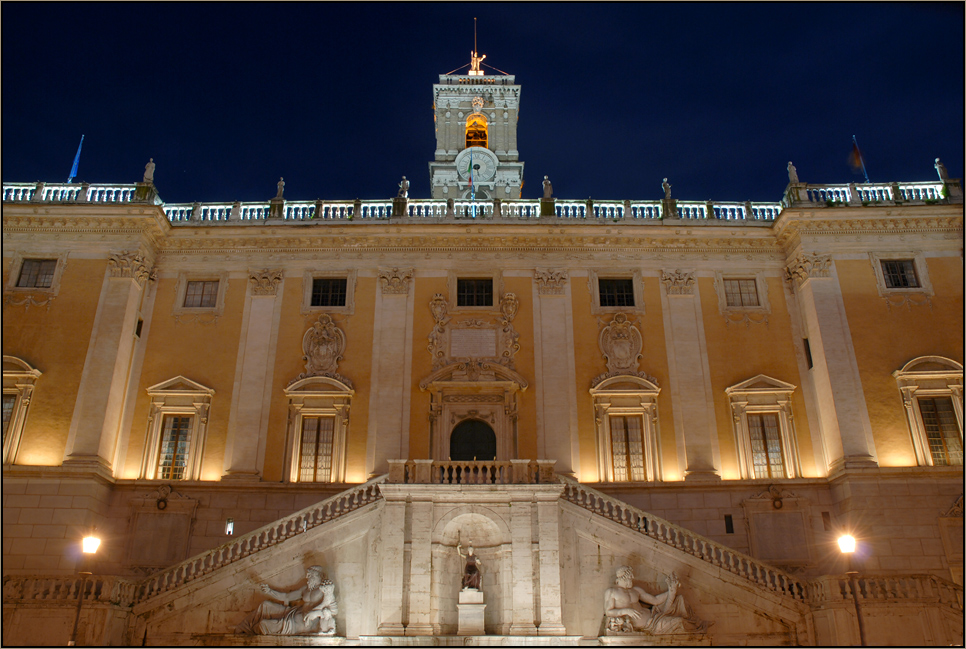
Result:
[
  {"x": 497, "y": 341},
  {"x": 678, "y": 282},
  {"x": 549, "y": 281},
  {"x": 807, "y": 265},
  {"x": 395, "y": 281},
  {"x": 323, "y": 345},
  {"x": 265, "y": 282},
  {"x": 621, "y": 343}
]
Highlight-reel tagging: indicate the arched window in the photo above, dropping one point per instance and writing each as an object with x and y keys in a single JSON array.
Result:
[
  {"x": 476, "y": 130},
  {"x": 472, "y": 439}
]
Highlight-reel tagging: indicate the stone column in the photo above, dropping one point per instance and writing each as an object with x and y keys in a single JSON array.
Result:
[
  {"x": 548, "y": 533},
  {"x": 420, "y": 567},
  {"x": 691, "y": 396},
  {"x": 391, "y": 371},
  {"x": 521, "y": 560},
  {"x": 248, "y": 422},
  {"x": 555, "y": 381},
  {"x": 93, "y": 434},
  {"x": 843, "y": 414},
  {"x": 393, "y": 538}
]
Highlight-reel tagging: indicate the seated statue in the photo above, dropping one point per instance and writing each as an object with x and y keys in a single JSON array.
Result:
[
  {"x": 315, "y": 616},
  {"x": 662, "y": 614}
]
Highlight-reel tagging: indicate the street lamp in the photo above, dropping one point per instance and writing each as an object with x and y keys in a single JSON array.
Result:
[
  {"x": 847, "y": 546},
  {"x": 89, "y": 545}
]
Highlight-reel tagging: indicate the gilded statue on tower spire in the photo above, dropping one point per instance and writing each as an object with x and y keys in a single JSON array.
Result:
[{"x": 475, "y": 58}]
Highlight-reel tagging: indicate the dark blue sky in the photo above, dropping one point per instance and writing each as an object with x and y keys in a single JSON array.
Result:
[{"x": 337, "y": 98}]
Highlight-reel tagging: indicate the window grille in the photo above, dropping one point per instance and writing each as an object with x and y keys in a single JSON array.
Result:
[
  {"x": 201, "y": 294},
  {"x": 173, "y": 458},
  {"x": 315, "y": 449},
  {"x": 329, "y": 291},
  {"x": 37, "y": 273},
  {"x": 616, "y": 292},
  {"x": 899, "y": 273},
  {"x": 474, "y": 292},
  {"x": 766, "y": 445},
  {"x": 942, "y": 431},
  {"x": 741, "y": 292}
]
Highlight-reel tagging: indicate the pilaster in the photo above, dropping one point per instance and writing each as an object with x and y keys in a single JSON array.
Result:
[
  {"x": 421, "y": 568},
  {"x": 548, "y": 533},
  {"x": 393, "y": 538},
  {"x": 521, "y": 548}
]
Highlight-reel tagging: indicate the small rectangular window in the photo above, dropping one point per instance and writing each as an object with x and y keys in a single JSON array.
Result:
[
  {"x": 37, "y": 273},
  {"x": 616, "y": 292},
  {"x": 315, "y": 451},
  {"x": 827, "y": 521},
  {"x": 329, "y": 291},
  {"x": 201, "y": 294},
  {"x": 899, "y": 273},
  {"x": 474, "y": 292},
  {"x": 173, "y": 458},
  {"x": 741, "y": 292},
  {"x": 729, "y": 524},
  {"x": 766, "y": 446},
  {"x": 942, "y": 431},
  {"x": 627, "y": 448},
  {"x": 808, "y": 353}
]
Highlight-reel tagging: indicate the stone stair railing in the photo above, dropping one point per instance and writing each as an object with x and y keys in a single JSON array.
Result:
[
  {"x": 471, "y": 472},
  {"x": 883, "y": 588},
  {"x": 285, "y": 528},
  {"x": 759, "y": 573},
  {"x": 96, "y": 589}
]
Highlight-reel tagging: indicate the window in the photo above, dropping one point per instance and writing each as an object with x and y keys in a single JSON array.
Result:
[
  {"x": 203, "y": 294},
  {"x": 315, "y": 449},
  {"x": 18, "y": 386},
  {"x": 616, "y": 292},
  {"x": 942, "y": 431},
  {"x": 474, "y": 292},
  {"x": 628, "y": 437},
  {"x": 319, "y": 422},
  {"x": 741, "y": 292},
  {"x": 37, "y": 273},
  {"x": 932, "y": 393},
  {"x": 761, "y": 410},
  {"x": 476, "y": 130},
  {"x": 328, "y": 291},
  {"x": 173, "y": 454},
  {"x": 177, "y": 427},
  {"x": 899, "y": 273}
]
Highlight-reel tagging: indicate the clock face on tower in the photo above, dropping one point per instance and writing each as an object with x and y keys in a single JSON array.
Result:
[{"x": 484, "y": 163}]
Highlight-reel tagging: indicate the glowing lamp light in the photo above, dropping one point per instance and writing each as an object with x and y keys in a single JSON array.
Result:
[
  {"x": 90, "y": 544},
  {"x": 847, "y": 543}
]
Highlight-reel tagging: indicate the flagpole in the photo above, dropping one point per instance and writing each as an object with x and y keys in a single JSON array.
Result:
[
  {"x": 73, "y": 170},
  {"x": 861, "y": 161}
]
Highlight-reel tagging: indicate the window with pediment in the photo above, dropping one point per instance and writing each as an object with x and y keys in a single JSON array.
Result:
[
  {"x": 318, "y": 426},
  {"x": 628, "y": 436},
  {"x": 177, "y": 428},
  {"x": 932, "y": 393},
  {"x": 761, "y": 410},
  {"x": 18, "y": 386}
]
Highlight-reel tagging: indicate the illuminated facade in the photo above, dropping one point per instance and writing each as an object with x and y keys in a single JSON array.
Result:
[{"x": 707, "y": 388}]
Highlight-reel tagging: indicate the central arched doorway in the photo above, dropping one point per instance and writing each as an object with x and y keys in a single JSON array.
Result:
[{"x": 472, "y": 439}]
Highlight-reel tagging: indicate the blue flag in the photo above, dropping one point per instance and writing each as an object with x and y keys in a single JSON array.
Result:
[{"x": 73, "y": 170}]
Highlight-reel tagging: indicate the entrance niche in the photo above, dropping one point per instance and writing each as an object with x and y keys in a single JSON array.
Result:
[{"x": 472, "y": 439}]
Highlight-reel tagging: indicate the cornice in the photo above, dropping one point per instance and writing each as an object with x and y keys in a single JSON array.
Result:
[
  {"x": 800, "y": 225},
  {"x": 52, "y": 222}
]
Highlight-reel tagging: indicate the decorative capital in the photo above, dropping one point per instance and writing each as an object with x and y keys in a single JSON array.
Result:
[
  {"x": 808, "y": 265},
  {"x": 395, "y": 281},
  {"x": 550, "y": 282},
  {"x": 130, "y": 264},
  {"x": 678, "y": 282},
  {"x": 265, "y": 282}
]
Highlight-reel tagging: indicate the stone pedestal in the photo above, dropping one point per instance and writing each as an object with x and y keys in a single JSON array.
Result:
[{"x": 471, "y": 609}]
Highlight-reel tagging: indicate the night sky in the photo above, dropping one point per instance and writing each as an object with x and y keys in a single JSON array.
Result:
[{"x": 337, "y": 98}]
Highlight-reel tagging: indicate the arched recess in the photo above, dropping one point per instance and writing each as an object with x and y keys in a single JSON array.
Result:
[
  {"x": 628, "y": 435},
  {"x": 932, "y": 394},
  {"x": 479, "y": 390},
  {"x": 317, "y": 426},
  {"x": 476, "y": 130},
  {"x": 19, "y": 378}
]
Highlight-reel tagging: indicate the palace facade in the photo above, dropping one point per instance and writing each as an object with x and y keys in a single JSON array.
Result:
[{"x": 232, "y": 393}]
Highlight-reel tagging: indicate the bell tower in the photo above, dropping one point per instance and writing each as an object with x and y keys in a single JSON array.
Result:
[{"x": 476, "y": 135}]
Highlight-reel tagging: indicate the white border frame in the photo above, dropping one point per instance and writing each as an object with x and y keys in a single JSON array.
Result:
[
  {"x": 453, "y": 298},
  {"x": 918, "y": 261},
  {"x": 318, "y": 396},
  {"x": 184, "y": 277},
  {"x": 16, "y": 266},
  {"x": 638, "y": 402},
  {"x": 930, "y": 383},
  {"x": 177, "y": 396},
  {"x": 350, "y": 290},
  {"x": 761, "y": 286},
  {"x": 594, "y": 287},
  {"x": 775, "y": 397},
  {"x": 19, "y": 379}
]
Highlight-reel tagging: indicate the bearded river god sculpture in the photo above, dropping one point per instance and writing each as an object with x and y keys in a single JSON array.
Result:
[
  {"x": 314, "y": 616},
  {"x": 629, "y": 609}
]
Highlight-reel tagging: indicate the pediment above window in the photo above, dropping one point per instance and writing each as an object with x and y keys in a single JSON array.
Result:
[
  {"x": 479, "y": 372},
  {"x": 179, "y": 386},
  {"x": 760, "y": 385},
  {"x": 316, "y": 385}
]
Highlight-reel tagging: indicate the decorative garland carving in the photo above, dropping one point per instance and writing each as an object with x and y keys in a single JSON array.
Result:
[
  {"x": 323, "y": 345},
  {"x": 507, "y": 338},
  {"x": 265, "y": 282},
  {"x": 550, "y": 282},
  {"x": 898, "y": 300},
  {"x": 807, "y": 265},
  {"x": 28, "y": 300},
  {"x": 130, "y": 264},
  {"x": 395, "y": 281},
  {"x": 678, "y": 282}
]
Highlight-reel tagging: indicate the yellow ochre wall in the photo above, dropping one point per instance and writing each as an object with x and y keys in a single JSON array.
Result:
[
  {"x": 524, "y": 361},
  {"x": 886, "y": 338},
  {"x": 54, "y": 341},
  {"x": 424, "y": 288}
]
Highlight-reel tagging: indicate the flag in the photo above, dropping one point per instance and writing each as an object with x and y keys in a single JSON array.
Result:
[
  {"x": 856, "y": 161},
  {"x": 73, "y": 170}
]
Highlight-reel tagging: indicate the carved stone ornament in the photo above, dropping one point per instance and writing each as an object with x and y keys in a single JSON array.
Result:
[
  {"x": 265, "y": 282},
  {"x": 395, "y": 281},
  {"x": 509, "y": 305},
  {"x": 956, "y": 510},
  {"x": 621, "y": 343},
  {"x": 323, "y": 345},
  {"x": 315, "y": 616},
  {"x": 808, "y": 265},
  {"x": 500, "y": 346},
  {"x": 130, "y": 264},
  {"x": 678, "y": 282},
  {"x": 28, "y": 300},
  {"x": 550, "y": 282},
  {"x": 662, "y": 614},
  {"x": 439, "y": 308}
]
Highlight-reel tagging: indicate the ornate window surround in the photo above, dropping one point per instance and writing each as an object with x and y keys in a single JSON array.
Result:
[
  {"x": 16, "y": 264},
  {"x": 452, "y": 276},
  {"x": 922, "y": 275},
  {"x": 929, "y": 376},
  {"x": 183, "y": 278},
  {"x": 594, "y": 287},
  {"x": 761, "y": 286},
  {"x": 19, "y": 379},
  {"x": 317, "y": 396},
  {"x": 177, "y": 396},
  {"x": 350, "y": 291},
  {"x": 763, "y": 394},
  {"x": 627, "y": 395}
]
